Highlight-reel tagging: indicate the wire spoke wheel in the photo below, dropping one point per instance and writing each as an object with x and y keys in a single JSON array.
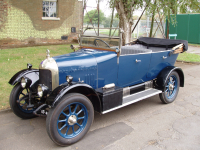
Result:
[
  {"x": 171, "y": 88},
  {"x": 22, "y": 101},
  {"x": 19, "y": 101}
]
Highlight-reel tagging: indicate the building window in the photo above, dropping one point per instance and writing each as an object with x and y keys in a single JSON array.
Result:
[{"x": 50, "y": 10}]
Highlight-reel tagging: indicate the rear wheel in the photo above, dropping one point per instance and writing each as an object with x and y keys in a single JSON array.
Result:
[
  {"x": 19, "y": 99},
  {"x": 70, "y": 119},
  {"x": 171, "y": 88}
]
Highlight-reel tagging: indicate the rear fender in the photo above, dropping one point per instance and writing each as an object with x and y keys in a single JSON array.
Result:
[
  {"x": 164, "y": 74},
  {"x": 32, "y": 74},
  {"x": 81, "y": 88}
]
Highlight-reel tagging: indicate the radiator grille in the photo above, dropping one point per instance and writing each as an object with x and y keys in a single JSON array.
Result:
[{"x": 45, "y": 78}]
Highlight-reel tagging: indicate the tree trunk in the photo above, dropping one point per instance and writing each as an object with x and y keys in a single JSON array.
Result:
[
  {"x": 111, "y": 22},
  {"x": 168, "y": 24},
  {"x": 125, "y": 22},
  {"x": 152, "y": 19},
  {"x": 126, "y": 26}
]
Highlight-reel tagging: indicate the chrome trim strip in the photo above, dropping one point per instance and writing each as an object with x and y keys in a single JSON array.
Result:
[
  {"x": 138, "y": 85},
  {"x": 136, "y": 93},
  {"x": 126, "y": 91},
  {"x": 134, "y": 101},
  {"x": 149, "y": 84},
  {"x": 148, "y": 52},
  {"x": 136, "y": 54},
  {"x": 162, "y": 51}
]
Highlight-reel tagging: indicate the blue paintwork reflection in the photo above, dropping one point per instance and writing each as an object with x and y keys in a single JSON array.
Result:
[
  {"x": 107, "y": 67},
  {"x": 158, "y": 63},
  {"x": 83, "y": 64},
  {"x": 132, "y": 72},
  {"x": 80, "y": 65}
]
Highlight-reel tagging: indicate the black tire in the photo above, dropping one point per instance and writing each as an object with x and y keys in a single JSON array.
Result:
[
  {"x": 17, "y": 108},
  {"x": 170, "y": 89},
  {"x": 59, "y": 116}
]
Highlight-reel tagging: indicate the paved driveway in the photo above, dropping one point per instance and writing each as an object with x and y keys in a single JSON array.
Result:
[
  {"x": 194, "y": 49},
  {"x": 146, "y": 125}
]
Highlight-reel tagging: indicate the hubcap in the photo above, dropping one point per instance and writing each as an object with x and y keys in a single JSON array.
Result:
[
  {"x": 72, "y": 120},
  {"x": 171, "y": 87}
]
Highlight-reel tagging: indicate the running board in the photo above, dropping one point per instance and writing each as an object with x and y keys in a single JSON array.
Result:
[{"x": 130, "y": 99}]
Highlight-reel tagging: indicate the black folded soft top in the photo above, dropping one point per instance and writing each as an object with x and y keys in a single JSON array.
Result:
[{"x": 167, "y": 43}]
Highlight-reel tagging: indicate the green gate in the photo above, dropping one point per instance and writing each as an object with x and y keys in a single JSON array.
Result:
[{"x": 186, "y": 28}]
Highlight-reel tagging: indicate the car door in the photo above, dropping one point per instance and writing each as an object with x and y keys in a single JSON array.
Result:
[
  {"x": 160, "y": 60},
  {"x": 133, "y": 69}
]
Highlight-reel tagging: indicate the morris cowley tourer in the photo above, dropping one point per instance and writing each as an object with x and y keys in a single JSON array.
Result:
[{"x": 100, "y": 75}]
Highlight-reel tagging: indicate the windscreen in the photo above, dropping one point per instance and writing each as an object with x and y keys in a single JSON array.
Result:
[{"x": 104, "y": 38}]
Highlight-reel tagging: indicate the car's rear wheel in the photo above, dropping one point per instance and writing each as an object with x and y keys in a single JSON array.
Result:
[
  {"x": 70, "y": 119},
  {"x": 19, "y": 101},
  {"x": 171, "y": 88}
]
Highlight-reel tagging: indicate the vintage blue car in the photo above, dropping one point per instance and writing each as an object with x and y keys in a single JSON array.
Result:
[{"x": 102, "y": 75}]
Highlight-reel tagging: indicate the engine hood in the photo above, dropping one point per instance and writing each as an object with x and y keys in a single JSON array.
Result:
[{"x": 81, "y": 65}]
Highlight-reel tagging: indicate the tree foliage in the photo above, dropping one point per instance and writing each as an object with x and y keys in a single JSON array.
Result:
[
  {"x": 125, "y": 9},
  {"x": 169, "y": 7},
  {"x": 107, "y": 20},
  {"x": 92, "y": 15}
]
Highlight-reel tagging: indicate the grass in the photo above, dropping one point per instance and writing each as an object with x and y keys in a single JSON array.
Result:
[
  {"x": 191, "y": 44},
  {"x": 14, "y": 60},
  {"x": 189, "y": 57},
  {"x": 107, "y": 31}
]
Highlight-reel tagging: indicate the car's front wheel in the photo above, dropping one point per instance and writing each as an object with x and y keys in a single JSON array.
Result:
[
  {"x": 19, "y": 102},
  {"x": 70, "y": 119},
  {"x": 171, "y": 88}
]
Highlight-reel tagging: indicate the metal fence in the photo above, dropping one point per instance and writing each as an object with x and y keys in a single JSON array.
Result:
[{"x": 143, "y": 29}]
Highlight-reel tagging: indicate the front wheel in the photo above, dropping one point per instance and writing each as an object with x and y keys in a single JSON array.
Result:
[
  {"x": 171, "y": 88},
  {"x": 19, "y": 100},
  {"x": 70, "y": 119}
]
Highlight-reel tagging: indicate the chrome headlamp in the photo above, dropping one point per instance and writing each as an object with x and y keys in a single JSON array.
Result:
[
  {"x": 69, "y": 79},
  {"x": 42, "y": 90},
  {"x": 29, "y": 66},
  {"x": 25, "y": 82}
]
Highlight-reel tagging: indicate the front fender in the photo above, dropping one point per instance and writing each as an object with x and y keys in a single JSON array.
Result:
[
  {"x": 164, "y": 74},
  {"x": 81, "y": 88},
  {"x": 32, "y": 74}
]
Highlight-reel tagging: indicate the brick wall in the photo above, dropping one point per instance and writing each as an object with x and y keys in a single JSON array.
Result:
[{"x": 21, "y": 23}]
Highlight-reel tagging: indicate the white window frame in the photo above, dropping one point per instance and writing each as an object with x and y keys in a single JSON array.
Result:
[{"x": 51, "y": 18}]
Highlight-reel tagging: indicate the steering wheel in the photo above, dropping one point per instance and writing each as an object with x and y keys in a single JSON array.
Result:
[{"x": 96, "y": 43}]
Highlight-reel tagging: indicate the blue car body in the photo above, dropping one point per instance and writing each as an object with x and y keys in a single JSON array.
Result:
[{"x": 98, "y": 68}]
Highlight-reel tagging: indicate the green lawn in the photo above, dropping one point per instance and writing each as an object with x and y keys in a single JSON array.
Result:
[
  {"x": 189, "y": 57},
  {"x": 191, "y": 44},
  {"x": 14, "y": 60},
  {"x": 107, "y": 31}
]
